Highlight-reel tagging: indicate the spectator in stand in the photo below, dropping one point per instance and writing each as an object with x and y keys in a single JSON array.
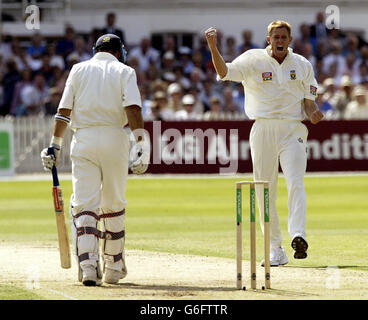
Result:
[
  {"x": 309, "y": 55},
  {"x": 146, "y": 104},
  {"x": 57, "y": 74},
  {"x": 343, "y": 97},
  {"x": 157, "y": 85},
  {"x": 60, "y": 82},
  {"x": 363, "y": 73},
  {"x": 152, "y": 73},
  {"x": 239, "y": 97},
  {"x": 323, "y": 104},
  {"x": 198, "y": 105},
  {"x": 110, "y": 27},
  {"x": 133, "y": 62},
  {"x": 9, "y": 81},
  {"x": 350, "y": 70},
  {"x": 170, "y": 45},
  {"x": 318, "y": 30},
  {"x": 168, "y": 61},
  {"x": 351, "y": 45},
  {"x": 46, "y": 69},
  {"x": 330, "y": 91},
  {"x": 5, "y": 46},
  {"x": 34, "y": 97},
  {"x": 358, "y": 108},
  {"x": 145, "y": 54},
  {"x": 214, "y": 112},
  {"x": 55, "y": 59},
  {"x": 79, "y": 53},
  {"x": 298, "y": 46},
  {"x": 230, "y": 106},
  {"x": 65, "y": 45},
  {"x": 24, "y": 61},
  {"x": 180, "y": 78},
  {"x": 363, "y": 59},
  {"x": 186, "y": 60},
  {"x": 155, "y": 114},
  {"x": 175, "y": 93},
  {"x": 17, "y": 101},
  {"x": 187, "y": 113},
  {"x": 37, "y": 47},
  {"x": 247, "y": 43},
  {"x": 93, "y": 37},
  {"x": 205, "y": 52},
  {"x": 230, "y": 51},
  {"x": 335, "y": 57},
  {"x": 322, "y": 49},
  {"x": 196, "y": 77},
  {"x": 197, "y": 59},
  {"x": 320, "y": 74},
  {"x": 166, "y": 114},
  {"x": 207, "y": 92},
  {"x": 305, "y": 36},
  {"x": 52, "y": 102}
]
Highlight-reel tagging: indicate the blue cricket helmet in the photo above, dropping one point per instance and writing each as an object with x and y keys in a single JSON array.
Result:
[{"x": 110, "y": 42}]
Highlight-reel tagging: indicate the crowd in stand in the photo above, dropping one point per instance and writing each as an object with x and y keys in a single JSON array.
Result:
[{"x": 179, "y": 83}]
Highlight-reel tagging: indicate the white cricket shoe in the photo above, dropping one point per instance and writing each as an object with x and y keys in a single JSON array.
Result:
[
  {"x": 90, "y": 278},
  {"x": 278, "y": 257},
  {"x": 113, "y": 276}
]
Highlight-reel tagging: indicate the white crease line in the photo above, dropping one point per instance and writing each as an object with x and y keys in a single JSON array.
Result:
[{"x": 61, "y": 294}]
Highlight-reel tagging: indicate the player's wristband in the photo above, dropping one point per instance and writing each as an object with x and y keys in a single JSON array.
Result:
[
  {"x": 60, "y": 117},
  {"x": 58, "y": 141}
]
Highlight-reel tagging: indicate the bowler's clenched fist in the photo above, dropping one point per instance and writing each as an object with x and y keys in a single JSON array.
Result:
[
  {"x": 316, "y": 116},
  {"x": 211, "y": 36}
]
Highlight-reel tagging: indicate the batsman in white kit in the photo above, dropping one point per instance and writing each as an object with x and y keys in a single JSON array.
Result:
[
  {"x": 100, "y": 97},
  {"x": 279, "y": 88}
]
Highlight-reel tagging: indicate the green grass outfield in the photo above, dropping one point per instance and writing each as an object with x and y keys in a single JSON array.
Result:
[{"x": 197, "y": 216}]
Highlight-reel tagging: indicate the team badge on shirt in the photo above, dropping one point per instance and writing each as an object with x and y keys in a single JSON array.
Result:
[
  {"x": 292, "y": 74},
  {"x": 313, "y": 90},
  {"x": 267, "y": 76}
]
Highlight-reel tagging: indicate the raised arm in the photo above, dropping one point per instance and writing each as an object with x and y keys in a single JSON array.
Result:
[{"x": 217, "y": 59}]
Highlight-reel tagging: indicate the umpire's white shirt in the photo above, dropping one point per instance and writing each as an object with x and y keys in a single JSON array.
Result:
[
  {"x": 273, "y": 90},
  {"x": 97, "y": 90}
]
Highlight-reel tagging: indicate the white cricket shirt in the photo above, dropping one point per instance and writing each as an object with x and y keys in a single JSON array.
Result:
[
  {"x": 97, "y": 91},
  {"x": 273, "y": 90}
]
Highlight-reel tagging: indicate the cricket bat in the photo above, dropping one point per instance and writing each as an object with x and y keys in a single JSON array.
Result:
[{"x": 57, "y": 195}]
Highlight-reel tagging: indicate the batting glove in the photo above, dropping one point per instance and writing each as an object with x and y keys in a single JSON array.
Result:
[
  {"x": 50, "y": 160},
  {"x": 140, "y": 155}
]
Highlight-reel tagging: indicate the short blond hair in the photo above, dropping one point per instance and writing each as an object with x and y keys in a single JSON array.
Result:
[{"x": 278, "y": 24}]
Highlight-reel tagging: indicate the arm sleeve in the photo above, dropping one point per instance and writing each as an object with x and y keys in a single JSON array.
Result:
[
  {"x": 310, "y": 84},
  {"x": 131, "y": 94},
  {"x": 237, "y": 69},
  {"x": 67, "y": 100}
]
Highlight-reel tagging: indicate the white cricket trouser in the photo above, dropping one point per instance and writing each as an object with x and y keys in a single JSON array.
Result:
[
  {"x": 99, "y": 175},
  {"x": 274, "y": 141}
]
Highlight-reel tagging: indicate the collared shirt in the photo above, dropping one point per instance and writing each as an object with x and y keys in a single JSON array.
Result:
[
  {"x": 273, "y": 90},
  {"x": 97, "y": 91}
]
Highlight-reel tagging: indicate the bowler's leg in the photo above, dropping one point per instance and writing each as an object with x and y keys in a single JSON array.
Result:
[
  {"x": 265, "y": 167},
  {"x": 293, "y": 160}
]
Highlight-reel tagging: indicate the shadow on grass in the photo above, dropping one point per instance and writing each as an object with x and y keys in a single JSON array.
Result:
[
  {"x": 187, "y": 289},
  {"x": 358, "y": 268},
  {"x": 169, "y": 287}
]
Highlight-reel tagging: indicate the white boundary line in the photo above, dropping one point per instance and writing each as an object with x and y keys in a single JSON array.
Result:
[{"x": 68, "y": 176}]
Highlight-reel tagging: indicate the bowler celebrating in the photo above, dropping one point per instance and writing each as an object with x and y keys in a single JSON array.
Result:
[{"x": 279, "y": 86}]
